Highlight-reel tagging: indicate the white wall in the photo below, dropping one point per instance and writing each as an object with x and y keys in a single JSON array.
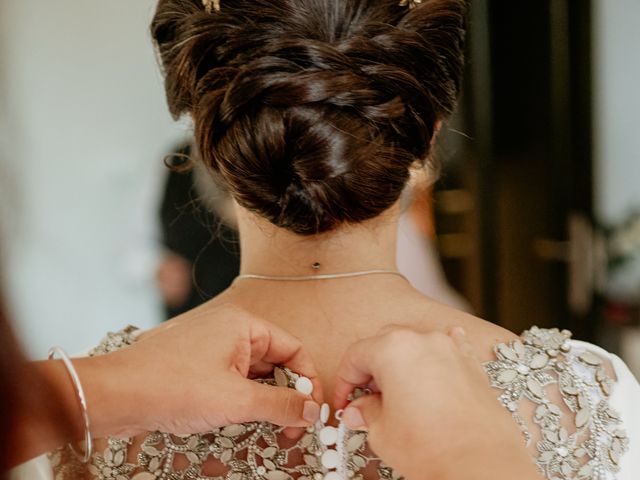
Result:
[
  {"x": 617, "y": 139},
  {"x": 617, "y": 107},
  {"x": 84, "y": 128},
  {"x": 617, "y": 125}
]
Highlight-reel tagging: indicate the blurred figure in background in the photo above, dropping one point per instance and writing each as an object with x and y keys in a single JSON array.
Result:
[
  {"x": 202, "y": 255},
  {"x": 418, "y": 258}
]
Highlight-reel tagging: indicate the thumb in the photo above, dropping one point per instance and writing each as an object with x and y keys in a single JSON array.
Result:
[
  {"x": 363, "y": 413},
  {"x": 279, "y": 405}
]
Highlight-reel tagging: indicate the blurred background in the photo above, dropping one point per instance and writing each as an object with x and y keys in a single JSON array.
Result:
[{"x": 535, "y": 220}]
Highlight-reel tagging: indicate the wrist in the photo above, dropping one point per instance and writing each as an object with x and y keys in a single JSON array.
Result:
[
  {"x": 49, "y": 416},
  {"x": 111, "y": 408},
  {"x": 65, "y": 402}
]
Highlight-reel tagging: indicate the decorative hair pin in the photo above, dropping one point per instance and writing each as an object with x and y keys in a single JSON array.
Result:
[
  {"x": 211, "y": 5},
  {"x": 214, "y": 5},
  {"x": 410, "y": 3}
]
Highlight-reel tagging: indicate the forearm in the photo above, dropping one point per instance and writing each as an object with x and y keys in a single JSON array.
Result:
[
  {"x": 49, "y": 416},
  {"x": 495, "y": 466},
  {"x": 498, "y": 466},
  {"x": 498, "y": 456},
  {"x": 52, "y": 415}
]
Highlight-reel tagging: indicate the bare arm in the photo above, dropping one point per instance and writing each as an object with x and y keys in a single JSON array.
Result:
[{"x": 178, "y": 378}]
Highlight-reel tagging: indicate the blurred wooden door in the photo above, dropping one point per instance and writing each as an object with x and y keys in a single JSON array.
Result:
[{"x": 524, "y": 163}]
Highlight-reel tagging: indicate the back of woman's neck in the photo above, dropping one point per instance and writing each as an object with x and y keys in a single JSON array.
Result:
[{"x": 269, "y": 250}]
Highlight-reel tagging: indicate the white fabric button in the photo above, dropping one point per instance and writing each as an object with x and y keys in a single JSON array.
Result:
[
  {"x": 304, "y": 386},
  {"x": 325, "y": 411},
  {"x": 332, "y": 476},
  {"x": 329, "y": 435},
  {"x": 330, "y": 459}
]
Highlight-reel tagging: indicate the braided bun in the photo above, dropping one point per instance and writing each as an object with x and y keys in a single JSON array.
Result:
[{"x": 312, "y": 111}]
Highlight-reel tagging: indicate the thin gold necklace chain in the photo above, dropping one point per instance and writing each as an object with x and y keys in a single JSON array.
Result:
[{"x": 325, "y": 276}]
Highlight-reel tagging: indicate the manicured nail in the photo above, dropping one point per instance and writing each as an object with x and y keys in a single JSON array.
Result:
[
  {"x": 352, "y": 416},
  {"x": 311, "y": 411}
]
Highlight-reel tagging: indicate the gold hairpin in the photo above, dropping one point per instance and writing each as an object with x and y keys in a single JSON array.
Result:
[
  {"x": 210, "y": 5},
  {"x": 410, "y": 3},
  {"x": 214, "y": 5}
]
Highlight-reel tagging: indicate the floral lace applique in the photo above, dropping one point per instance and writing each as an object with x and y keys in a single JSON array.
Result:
[
  {"x": 543, "y": 357},
  {"x": 523, "y": 369},
  {"x": 248, "y": 451},
  {"x": 115, "y": 341}
]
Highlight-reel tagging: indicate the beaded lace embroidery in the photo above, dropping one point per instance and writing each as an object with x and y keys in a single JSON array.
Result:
[
  {"x": 545, "y": 357},
  {"x": 254, "y": 451}
]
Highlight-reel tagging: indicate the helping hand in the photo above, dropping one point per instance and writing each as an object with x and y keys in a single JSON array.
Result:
[
  {"x": 193, "y": 374},
  {"x": 432, "y": 413}
]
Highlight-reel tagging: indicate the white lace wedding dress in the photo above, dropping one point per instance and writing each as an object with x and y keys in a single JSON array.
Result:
[{"x": 582, "y": 425}]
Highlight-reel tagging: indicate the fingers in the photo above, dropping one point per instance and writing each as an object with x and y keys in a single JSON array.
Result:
[
  {"x": 356, "y": 369},
  {"x": 366, "y": 361},
  {"x": 260, "y": 370},
  {"x": 277, "y": 405},
  {"x": 362, "y": 413},
  {"x": 270, "y": 345}
]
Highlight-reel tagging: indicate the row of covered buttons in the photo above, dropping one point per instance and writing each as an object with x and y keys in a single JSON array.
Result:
[{"x": 328, "y": 435}]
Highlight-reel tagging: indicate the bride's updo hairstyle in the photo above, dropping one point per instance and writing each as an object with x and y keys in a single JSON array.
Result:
[{"x": 312, "y": 111}]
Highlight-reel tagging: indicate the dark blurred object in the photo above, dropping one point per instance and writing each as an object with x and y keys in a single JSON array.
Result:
[
  {"x": 11, "y": 389},
  {"x": 203, "y": 252},
  {"x": 174, "y": 280},
  {"x": 621, "y": 314},
  {"x": 514, "y": 206}
]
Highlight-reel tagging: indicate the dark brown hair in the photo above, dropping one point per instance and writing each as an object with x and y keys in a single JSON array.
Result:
[{"x": 312, "y": 111}]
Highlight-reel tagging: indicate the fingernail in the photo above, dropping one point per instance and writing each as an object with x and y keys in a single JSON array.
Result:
[
  {"x": 311, "y": 411},
  {"x": 352, "y": 416}
]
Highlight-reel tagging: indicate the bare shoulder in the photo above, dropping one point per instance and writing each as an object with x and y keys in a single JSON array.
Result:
[
  {"x": 486, "y": 335},
  {"x": 429, "y": 315}
]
